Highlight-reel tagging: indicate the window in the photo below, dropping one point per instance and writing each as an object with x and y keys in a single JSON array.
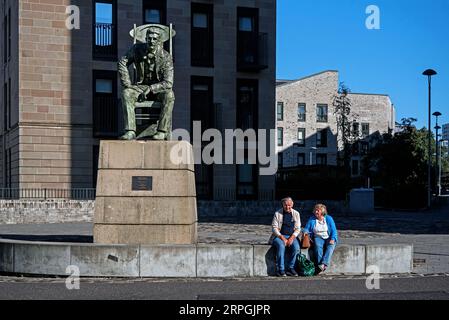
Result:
[
  {"x": 105, "y": 106},
  {"x": 154, "y": 11},
  {"x": 321, "y": 138},
  {"x": 202, "y": 35},
  {"x": 280, "y": 137},
  {"x": 201, "y": 103},
  {"x": 246, "y": 181},
  {"x": 252, "y": 47},
  {"x": 105, "y": 34},
  {"x": 280, "y": 111},
  {"x": 5, "y": 39},
  {"x": 153, "y": 16},
  {"x": 301, "y": 112},
  {"x": 321, "y": 113},
  {"x": 301, "y": 137},
  {"x": 7, "y": 165},
  {"x": 356, "y": 129},
  {"x": 246, "y": 24},
  {"x": 247, "y": 104},
  {"x": 280, "y": 160},
  {"x": 321, "y": 159},
  {"x": 202, "y": 109},
  {"x": 301, "y": 159},
  {"x": 364, "y": 146},
  {"x": 365, "y": 130},
  {"x": 355, "y": 168},
  {"x": 5, "y": 106},
  {"x": 9, "y": 33}
]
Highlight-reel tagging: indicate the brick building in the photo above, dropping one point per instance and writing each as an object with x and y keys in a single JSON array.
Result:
[
  {"x": 307, "y": 126},
  {"x": 60, "y": 92}
]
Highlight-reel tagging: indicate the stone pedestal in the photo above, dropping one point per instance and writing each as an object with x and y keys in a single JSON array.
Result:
[{"x": 143, "y": 195}]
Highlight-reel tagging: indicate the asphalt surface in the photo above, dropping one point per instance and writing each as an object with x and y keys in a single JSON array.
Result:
[{"x": 403, "y": 287}]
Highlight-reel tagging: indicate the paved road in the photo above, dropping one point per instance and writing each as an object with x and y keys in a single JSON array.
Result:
[{"x": 324, "y": 287}]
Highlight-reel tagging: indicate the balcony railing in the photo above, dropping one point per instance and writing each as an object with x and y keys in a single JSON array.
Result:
[
  {"x": 105, "y": 116},
  {"x": 47, "y": 194},
  {"x": 105, "y": 46},
  {"x": 301, "y": 117},
  {"x": 321, "y": 118},
  {"x": 252, "y": 52}
]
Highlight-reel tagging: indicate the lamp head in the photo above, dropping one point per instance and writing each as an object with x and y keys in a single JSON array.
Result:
[
  {"x": 429, "y": 72},
  {"x": 436, "y": 114}
]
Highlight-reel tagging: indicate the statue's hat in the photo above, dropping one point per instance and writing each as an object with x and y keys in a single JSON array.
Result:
[{"x": 141, "y": 32}]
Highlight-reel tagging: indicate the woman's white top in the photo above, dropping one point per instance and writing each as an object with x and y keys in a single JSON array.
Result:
[{"x": 321, "y": 229}]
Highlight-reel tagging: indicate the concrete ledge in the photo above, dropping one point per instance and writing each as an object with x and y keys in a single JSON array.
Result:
[
  {"x": 168, "y": 261},
  {"x": 106, "y": 260},
  {"x": 45, "y": 258},
  {"x": 224, "y": 261},
  {"x": 392, "y": 258}
]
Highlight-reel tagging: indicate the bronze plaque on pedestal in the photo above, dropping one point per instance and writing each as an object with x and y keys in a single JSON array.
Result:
[{"x": 142, "y": 184}]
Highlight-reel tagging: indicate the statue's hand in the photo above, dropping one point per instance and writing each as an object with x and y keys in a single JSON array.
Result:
[{"x": 142, "y": 97}]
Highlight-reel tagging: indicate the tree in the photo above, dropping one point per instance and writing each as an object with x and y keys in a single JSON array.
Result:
[
  {"x": 346, "y": 136},
  {"x": 398, "y": 164}
]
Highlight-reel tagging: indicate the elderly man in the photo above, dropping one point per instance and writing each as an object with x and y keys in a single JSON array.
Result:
[
  {"x": 286, "y": 228},
  {"x": 154, "y": 67}
]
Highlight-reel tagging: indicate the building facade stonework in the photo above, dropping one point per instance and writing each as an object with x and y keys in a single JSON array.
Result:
[
  {"x": 61, "y": 96},
  {"x": 307, "y": 124}
]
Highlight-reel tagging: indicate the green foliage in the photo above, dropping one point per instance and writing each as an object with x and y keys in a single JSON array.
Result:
[{"x": 398, "y": 164}]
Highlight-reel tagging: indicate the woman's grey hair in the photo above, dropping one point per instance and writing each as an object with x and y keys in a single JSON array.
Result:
[{"x": 286, "y": 199}]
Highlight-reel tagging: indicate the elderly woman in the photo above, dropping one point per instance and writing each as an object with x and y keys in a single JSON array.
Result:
[
  {"x": 323, "y": 232},
  {"x": 286, "y": 228}
]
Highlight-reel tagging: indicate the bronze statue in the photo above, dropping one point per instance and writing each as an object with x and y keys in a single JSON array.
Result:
[{"x": 153, "y": 80}]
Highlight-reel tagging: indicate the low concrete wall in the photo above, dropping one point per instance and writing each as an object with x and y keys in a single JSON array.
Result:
[
  {"x": 63, "y": 211},
  {"x": 258, "y": 208},
  {"x": 45, "y": 211},
  {"x": 185, "y": 260}
]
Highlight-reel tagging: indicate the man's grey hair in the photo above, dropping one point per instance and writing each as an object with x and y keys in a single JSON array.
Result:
[{"x": 286, "y": 199}]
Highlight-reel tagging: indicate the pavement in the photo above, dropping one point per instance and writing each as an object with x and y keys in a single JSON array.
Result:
[{"x": 428, "y": 231}]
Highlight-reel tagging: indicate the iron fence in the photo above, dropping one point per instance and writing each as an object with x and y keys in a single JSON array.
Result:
[{"x": 47, "y": 194}]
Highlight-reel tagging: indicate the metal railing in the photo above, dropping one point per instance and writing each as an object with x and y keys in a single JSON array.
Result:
[
  {"x": 105, "y": 45},
  {"x": 47, "y": 194},
  {"x": 252, "y": 52}
]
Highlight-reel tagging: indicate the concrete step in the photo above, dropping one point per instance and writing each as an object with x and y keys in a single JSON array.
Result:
[{"x": 201, "y": 260}]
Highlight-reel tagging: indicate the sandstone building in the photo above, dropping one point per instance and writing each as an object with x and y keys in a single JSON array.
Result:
[
  {"x": 307, "y": 126},
  {"x": 60, "y": 92}
]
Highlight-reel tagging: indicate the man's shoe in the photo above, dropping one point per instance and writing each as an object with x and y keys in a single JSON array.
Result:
[
  {"x": 280, "y": 274},
  {"x": 292, "y": 273},
  {"x": 158, "y": 136}
]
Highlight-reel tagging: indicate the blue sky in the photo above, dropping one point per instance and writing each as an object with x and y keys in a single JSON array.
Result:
[{"x": 313, "y": 36}]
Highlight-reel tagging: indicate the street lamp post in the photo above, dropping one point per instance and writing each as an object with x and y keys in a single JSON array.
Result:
[
  {"x": 437, "y": 127},
  {"x": 429, "y": 73},
  {"x": 439, "y": 168}
]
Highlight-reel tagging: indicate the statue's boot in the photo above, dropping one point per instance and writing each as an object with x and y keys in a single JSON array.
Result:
[
  {"x": 159, "y": 136},
  {"x": 129, "y": 135}
]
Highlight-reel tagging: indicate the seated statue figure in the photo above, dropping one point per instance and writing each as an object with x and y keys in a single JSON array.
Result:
[{"x": 154, "y": 80}]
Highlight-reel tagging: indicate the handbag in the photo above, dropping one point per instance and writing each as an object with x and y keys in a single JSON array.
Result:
[
  {"x": 304, "y": 266},
  {"x": 305, "y": 243}
]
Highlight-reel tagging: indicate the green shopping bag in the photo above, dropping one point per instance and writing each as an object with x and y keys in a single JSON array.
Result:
[{"x": 304, "y": 266}]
